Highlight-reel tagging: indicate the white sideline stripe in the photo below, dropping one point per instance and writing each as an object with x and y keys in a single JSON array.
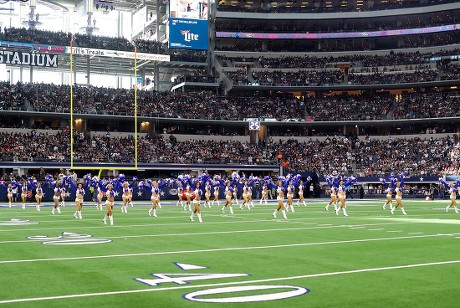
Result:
[
  {"x": 204, "y": 233},
  {"x": 222, "y": 249},
  {"x": 364, "y": 270}
]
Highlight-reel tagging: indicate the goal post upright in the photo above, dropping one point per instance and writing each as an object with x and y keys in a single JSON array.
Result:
[{"x": 72, "y": 126}]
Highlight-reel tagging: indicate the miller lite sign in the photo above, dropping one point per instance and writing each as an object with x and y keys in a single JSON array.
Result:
[{"x": 188, "y": 33}]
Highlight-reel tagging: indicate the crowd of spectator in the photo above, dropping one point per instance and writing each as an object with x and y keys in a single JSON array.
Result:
[
  {"x": 207, "y": 105},
  {"x": 99, "y": 42},
  {"x": 415, "y": 156},
  {"x": 321, "y": 6},
  {"x": 196, "y": 76},
  {"x": 335, "y": 25},
  {"x": 408, "y": 60}
]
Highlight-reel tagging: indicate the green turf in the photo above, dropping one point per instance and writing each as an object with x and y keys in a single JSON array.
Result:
[{"x": 355, "y": 256}]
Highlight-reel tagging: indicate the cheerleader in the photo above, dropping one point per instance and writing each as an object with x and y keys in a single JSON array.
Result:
[
  {"x": 56, "y": 197},
  {"x": 399, "y": 193},
  {"x": 154, "y": 197},
  {"x": 9, "y": 194},
  {"x": 245, "y": 196},
  {"x": 301, "y": 197},
  {"x": 63, "y": 195},
  {"x": 290, "y": 196},
  {"x": 216, "y": 195},
  {"x": 109, "y": 203},
  {"x": 207, "y": 194},
  {"x": 333, "y": 187},
  {"x": 452, "y": 188},
  {"x": 196, "y": 202},
  {"x": 38, "y": 196},
  {"x": 24, "y": 193},
  {"x": 388, "y": 189},
  {"x": 130, "y": 196},
  {"x": 99, "y": 197},
  {"x": 342, "y": 194},
  {"x": 249, "y": 195},
  {"x": 180, "y": 191},
  {"x": 79, "y": 196},
  {"x": 125, "y": 197},
  {"x": 188, "y": 197},
  {"x": 228, "y": 198},
  {"x": 264, "y": 194},
  {"x": 235, "y": 194},
  {"x": 280, "y": 199}
]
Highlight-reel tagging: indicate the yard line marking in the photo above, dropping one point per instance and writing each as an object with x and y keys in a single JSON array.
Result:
[
  {"x": 223, "y": 249},
  {"x": 415, "y": 233},
  {"x": 424, "y": 220},
  {"x": 377, "y": 229},
  {"x": 394, "y": 231},
  {"x": 327, "y": 274},
  {"x": 202, "y": 233}
]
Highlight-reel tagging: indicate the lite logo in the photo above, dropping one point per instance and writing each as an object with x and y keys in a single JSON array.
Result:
[
  {"x": 188, "y": 36},
  {"x": 69, "y": 238},
  {"x": 248, "y": 293}
]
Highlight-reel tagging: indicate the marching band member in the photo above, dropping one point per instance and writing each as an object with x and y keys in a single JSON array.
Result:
[
  {"x": 399, "y": 193},
  {"x": 452, "y": 188},
  {"x": 196, "y": 202}
]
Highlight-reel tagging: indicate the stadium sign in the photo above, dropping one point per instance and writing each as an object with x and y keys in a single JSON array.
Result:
[
  {"x": 33, "y": 48},
  {"x": 27, "y": 58},
  {"x": 116, "y": 54}
]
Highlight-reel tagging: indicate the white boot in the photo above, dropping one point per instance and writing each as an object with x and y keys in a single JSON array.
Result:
[
  {"x": 274, "y": 213},
  {"x": 154, "y": 212},
  {"x": 199, "y": 217},
  {"x": 111, "y": 220},
  {"x": 403, "y": 211},
  {"x": 345, "y": 212},
  {"x": 105, "y": 219},
  {"x": 79, "y": 215},
  {"x": 59, "y": 210},
  {"x": 231, "y": 209},
  {"x": 191, "y": 216},
  {"x": 284, "y": 214}
]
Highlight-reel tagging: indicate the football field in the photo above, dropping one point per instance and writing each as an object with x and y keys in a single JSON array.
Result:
[{"x": 314, "y": 259}]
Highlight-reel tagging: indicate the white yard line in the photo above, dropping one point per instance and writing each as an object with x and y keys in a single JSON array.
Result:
[
  {"x": 209, "y": 233},
  {"x": 221, "y": 249},
  {"x": 268, "y": 280}
]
